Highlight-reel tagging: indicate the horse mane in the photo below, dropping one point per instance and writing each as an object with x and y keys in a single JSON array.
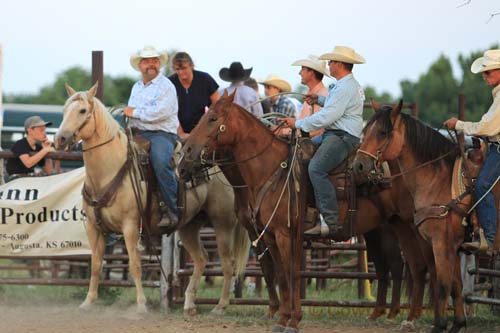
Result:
[
  {"x": 111, "y": 126},
  {"x": 426, "y": 142}
]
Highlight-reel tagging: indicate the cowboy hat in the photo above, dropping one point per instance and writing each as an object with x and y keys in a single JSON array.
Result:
[
  {"x": 344, "y": 54},
  {"x": 313, "y": 62},
  {"x": 235, "y": 72},
  {"x": 490, "y": 60},
  {"x": 275, "y": 81},
  {"x": 148, "y": 52}
]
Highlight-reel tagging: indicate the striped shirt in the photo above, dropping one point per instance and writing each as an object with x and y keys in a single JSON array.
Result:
[{"x": 155, "y": 105}]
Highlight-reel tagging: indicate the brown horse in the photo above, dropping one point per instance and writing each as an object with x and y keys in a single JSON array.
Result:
[
  {"x": 425, "y": 160},
  {"x": 106, "y": 151},
  {"x": 277, "y": 207}
]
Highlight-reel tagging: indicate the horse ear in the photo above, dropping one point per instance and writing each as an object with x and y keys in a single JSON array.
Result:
[
  {"x": 92, "y": 91},
  {"x": 231, "y": 97},
  {"x": 224, "y": 94},
  {"x": 375, "y": 105},
  {"x": 69, "y": 90},
  {"x": 397, "y": 109}
]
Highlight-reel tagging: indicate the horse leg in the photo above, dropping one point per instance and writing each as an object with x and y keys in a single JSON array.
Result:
[
  {"x": 374, "y": 248},
  {"x": 292, "y": 280},
  {"x": 459, "y": 319},
  {"x": 223, "y": 238},
  {"x": 444, "y": 279},
  {"x": 284, "y": 309},
  {"x": 396, "y": 268},
  {"x": 97, "y": 244},
  {"x": 267, "y": 266},
  {"x": 131, "y": 236},
  {"x": 190, "y": 238}
]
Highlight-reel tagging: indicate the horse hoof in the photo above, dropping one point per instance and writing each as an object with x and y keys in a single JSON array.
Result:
[
  {"x": 291, "y": 330},
  {"x": 436, "y": 329},
  {"x": 190, "y": 312},
  {"x": 407, "y": 326},
  {"x": 85, "y": 306},
  {"x": 217, "y": 312},
  {"x": 278, "y": 328},
  {"x": 142, "y": 309}
]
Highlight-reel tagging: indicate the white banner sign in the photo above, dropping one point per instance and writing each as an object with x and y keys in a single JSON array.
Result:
[{"x": 43, "y": 216}]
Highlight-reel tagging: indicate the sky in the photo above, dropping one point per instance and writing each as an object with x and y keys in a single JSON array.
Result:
[{"x": 400, "y": 39}]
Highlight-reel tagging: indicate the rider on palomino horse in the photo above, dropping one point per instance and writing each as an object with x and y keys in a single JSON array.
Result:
[{"x": 342, "y": 119}]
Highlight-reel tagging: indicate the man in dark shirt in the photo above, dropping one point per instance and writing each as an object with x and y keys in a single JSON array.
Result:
[
  {"x": 31, "y": 150},
  {"x": 196, "y": 90}
]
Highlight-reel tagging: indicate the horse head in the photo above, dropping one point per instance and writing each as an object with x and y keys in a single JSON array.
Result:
[
  {"x": 77, "y": 114},
  {"x": 213, "y": 131},
  {"x": 383, "y": 140}
]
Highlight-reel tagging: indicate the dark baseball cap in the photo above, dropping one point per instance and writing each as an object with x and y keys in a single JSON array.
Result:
[{"x": 35, "y": 121}]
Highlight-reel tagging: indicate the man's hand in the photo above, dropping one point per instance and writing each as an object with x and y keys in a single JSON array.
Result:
[
  {"x": 289, "y": 122},
  {"x": 311, "y": 99},
  {"x": 128, "y": 111},
  {"x": 451, "y": 123}
]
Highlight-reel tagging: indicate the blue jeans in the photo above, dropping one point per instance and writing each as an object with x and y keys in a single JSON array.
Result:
[
  {"x": 161, "y": 153},
  {"x": 334, "y": 148},
  {"x": 486, "y": 209}
]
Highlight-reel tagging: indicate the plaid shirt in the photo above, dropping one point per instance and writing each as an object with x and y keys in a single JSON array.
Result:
[{"x": 284, "y": 105}]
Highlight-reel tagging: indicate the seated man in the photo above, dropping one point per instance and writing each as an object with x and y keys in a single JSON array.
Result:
[
  {"x": 342, "y": 119},
  {"x": 31, "y": 150},
  {"x": 489, "y": 66},
  {"x": 152, "y": 109}
]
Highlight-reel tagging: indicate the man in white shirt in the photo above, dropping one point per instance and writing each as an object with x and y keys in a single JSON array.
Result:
[{"x": 152, "y": 109}]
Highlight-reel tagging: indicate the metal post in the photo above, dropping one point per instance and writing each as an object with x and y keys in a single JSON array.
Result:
[
  {"x": 167, "y": 264},
  {"x": 98, "y": 73}
]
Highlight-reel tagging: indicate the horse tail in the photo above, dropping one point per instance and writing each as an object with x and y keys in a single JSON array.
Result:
[{"x": 241, "y": 248}]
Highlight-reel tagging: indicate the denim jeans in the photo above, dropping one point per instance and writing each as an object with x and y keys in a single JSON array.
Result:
[
  {"x": 334, "y": 148},
  {"x": 161, "y": 153},
  {"x": 486, "y": 209}
]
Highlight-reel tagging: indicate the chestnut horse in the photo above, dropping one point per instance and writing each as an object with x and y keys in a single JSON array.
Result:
[
  {"x": 276, "y": 200},
  {"x": 425, "y": 160},
  {"x": 105, "y": 151}
]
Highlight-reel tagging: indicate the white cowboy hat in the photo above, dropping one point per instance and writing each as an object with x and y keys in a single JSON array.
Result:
[
  {"x": 148, "y": 52},
  {"x": 490, "y": 60},
  {"x": 344, "y": 54},
  {"x": 313, "y": 62},
  {"x": 275, "y": 81}
]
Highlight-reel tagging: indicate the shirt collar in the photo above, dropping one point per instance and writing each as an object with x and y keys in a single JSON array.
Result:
[
  {"x": 153, "y": 81},
  {"x": 496, "y": 90}
]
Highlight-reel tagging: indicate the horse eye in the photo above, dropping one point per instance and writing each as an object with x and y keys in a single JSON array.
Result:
[
  {"x": 212, "y": 118},
  {"x": 383, "y": 133},
  {"x": 82, "y": 111}
]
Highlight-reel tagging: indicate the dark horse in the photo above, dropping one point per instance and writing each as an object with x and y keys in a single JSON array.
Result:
[
  {"x": 277, "y": 204},
  {"x": 425, "y": 160}
]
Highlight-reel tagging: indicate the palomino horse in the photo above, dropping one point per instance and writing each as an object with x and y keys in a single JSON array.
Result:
[
  {"x": 277, "y": 207},
  {"x": 425, "y": 161},
  {"x": 105, "y": 151}
]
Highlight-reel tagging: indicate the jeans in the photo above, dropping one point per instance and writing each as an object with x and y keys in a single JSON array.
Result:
[
  {"x": 334, "y": 148},
  {"x": 486, "y": 209},
  {"x": 161, "y": 153}
]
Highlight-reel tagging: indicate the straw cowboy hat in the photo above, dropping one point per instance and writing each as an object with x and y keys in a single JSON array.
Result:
[
  {"x": 490, "y": 60},
  {"x": 275, "y": 81},
  {"x": 344, "y": 54},
  {"x": 313, "y": 62},
  {"x": 235, "y": 72},
  {"x": 148, "y": 52}
]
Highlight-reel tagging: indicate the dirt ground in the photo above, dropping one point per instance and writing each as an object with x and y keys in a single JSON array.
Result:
[{"x": 66, "y": 318}]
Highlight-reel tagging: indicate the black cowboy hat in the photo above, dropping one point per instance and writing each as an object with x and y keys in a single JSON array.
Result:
[{"x": 235, "y": 72}]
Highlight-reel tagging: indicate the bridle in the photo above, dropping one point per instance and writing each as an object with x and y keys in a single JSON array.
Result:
[{"x": 86, "y": 121}]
